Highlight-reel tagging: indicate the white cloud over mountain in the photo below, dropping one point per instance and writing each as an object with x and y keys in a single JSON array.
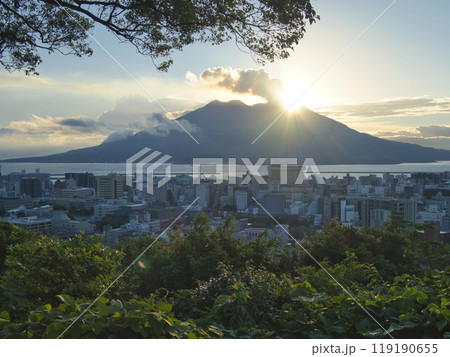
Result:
[
  {"x": 256, "y": 82},
  {"x": 129, "y": 115}
]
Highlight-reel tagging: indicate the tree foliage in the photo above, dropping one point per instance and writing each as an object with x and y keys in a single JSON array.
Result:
[
  {"x": 10, "y": 235},
  {"x": 46, "y": 267},
  {"x": 268, "y": 29},
  {"x": 206, "y": 284}
]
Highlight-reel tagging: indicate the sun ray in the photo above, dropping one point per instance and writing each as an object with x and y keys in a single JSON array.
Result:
[{"x": 296, "y": 95}]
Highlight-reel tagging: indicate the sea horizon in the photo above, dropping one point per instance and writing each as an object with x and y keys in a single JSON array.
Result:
[{"x": 98, "y": 169}]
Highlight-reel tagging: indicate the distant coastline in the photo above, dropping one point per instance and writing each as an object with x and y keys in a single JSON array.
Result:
[{"x": 326, "y": 170}]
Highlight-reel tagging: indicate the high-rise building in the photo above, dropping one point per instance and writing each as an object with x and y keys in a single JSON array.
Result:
[
  {"x": 335, "y": 208},
  {"x": 241, "y": 200},
  {"x": 85, "y": 179},
  {"x": 348, "y": 215},
  {"x": 407, "y": 207},
  {"x": 286, "y": 175},
  {"x": 202, "y": 192},
  {"x": 445, "y": 223},
  {"x": 274, "y": 203},
  {"x": 31, "y": 186},
  {"x": 13, "y": 180},
  {"x": 378, "y": 217},
  {"x": 325, "y": 208},
  {"x": 110, "y": 186}
]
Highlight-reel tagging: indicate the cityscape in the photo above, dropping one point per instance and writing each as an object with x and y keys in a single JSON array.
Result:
[{"x": 84, "y": 203}]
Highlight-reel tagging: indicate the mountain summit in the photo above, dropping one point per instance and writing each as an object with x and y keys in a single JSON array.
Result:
[{"x": 228, "y": 129}]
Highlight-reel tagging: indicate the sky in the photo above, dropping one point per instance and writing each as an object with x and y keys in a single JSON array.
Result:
[{"x": 394, "y": 82}]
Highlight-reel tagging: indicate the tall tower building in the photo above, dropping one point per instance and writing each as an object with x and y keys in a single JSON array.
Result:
[{"x": 110, "y": 186}]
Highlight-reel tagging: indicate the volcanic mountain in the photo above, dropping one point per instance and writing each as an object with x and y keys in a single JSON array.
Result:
[{"x": 228, "y": 130}]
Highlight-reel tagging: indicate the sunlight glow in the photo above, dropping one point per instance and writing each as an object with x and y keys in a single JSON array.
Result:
[{"x": 293, "y": 90}]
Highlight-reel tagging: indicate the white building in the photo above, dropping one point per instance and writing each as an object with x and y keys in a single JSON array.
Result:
[
  {"x": 202, "y": 192},
  {"x": 43, "y": 226},
  {"x": 298, "y": 208},
  {"x": 42, "y": 211},
  {"x": 241, "y": 200},
  {"x": 102, "y": 210},
  {"x": 133, "y": 229},
  {"x": 252, "y": 233},
  {"x": 64, "y": 227},
  {"x": 348, "y": 215},
  {"x": 425, "y": 216},
  {"x": 71, "y": 193},
  {"x": 378, "y": 217}
]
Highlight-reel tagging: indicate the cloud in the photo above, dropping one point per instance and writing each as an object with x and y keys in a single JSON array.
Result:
[
  {"x": 78, "y": 122},
  {"x": 156, "y": 124},
  {"x": 398, "y": 107},
  {"x": 179, "y": 113},
  {"x": 86, "y": 94},
  {"x": 118, "y": 135},
  {"x": 159, "y": 124},
  {"x": 256, "y": 82},
  {"x": 423, "y": 131},
  {"x": 50, "y": 125},
  {"x": 437, "y": 136},
  {"x": 129, "y": 115},
  {"x": 135, "y": 112},
  {"x": 191, "y": 78},
  {"x": 18, "y": 80},
  {"x": 44, "y": 135},
  {"x": 73, "y": 132},
  {"x": 7, "y": 131},
  {"x": 434, "y": 131},
  {"x": 437, "y": 143}
]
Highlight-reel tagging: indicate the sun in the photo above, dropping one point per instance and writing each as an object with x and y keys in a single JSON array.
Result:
[{"x": 297, "y": 94}]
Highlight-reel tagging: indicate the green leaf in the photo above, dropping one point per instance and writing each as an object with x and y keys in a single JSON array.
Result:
[
  {"x": 421, "y": 297},
  {"x": 115, "y": 309},
  {"x": 302, "y": 299},
  {"x": 4, "y": 316},
  {"x": 53, "y": 330},
  {"x": 164, "y": 307},
  {"x": 302, "y": 289},
  {"x": 98, "y": 326},
  {"x": 395, "y": 327},
  {"x": 441, "y": 324}
]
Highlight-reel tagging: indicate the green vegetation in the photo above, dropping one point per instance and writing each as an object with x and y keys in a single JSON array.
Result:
[{"x": 206, "y": 284}]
